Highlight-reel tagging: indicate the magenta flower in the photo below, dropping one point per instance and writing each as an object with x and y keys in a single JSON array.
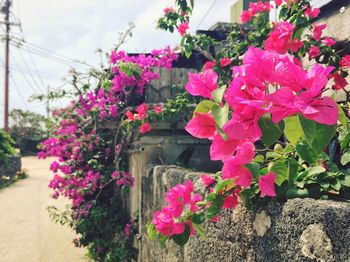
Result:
[
  {"x": 201, "y": 126},
  {"x": 182, "y": 28},
  {"x": 317, "y": 31},
  {"x": 202, "y": 84},
  {"x": 158, "y": 109},
  {"x": 142, "y": 111},
  {"x": 314, "y": 51},
  {"x": 329, "y": 41},
  {"x": 339, "y": 82},
  {"x": 279, "y": 39},
  {"x": 207, "y": 180},
  {"x": 345, "y": 61},
  {"x": 145, "y": 128},
  {"x": 225, "y": 61},
  {"x": 221, "y": 149},
  {"x": 246, "y": 16},
  {"x": 312, "y": 12},
  {"x": 267, "y": 185}
]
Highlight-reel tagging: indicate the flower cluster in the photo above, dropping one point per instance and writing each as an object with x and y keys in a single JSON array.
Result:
[
  {"x": 136, "y": 71},
  {"x": 254, "y": 8},
  {"x": 268, "y": 94},
  {"x": 90, "y": 167},
  {"x": 181, "y": 200}
]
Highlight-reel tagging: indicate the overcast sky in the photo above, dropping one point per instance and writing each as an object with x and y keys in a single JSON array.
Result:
[{"x": 76, "y": 28}]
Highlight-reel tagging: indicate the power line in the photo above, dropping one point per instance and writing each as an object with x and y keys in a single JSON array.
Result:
[
  {"x": 25, "y": 78},
  {"x": 19, "y": 92},
  {"x": 46, "y": 56},
  {"x": 206, "y": 14},
  {"x": 30, "y": 72}
]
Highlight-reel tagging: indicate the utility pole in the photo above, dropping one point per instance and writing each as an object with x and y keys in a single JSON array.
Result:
[{"x": 6, "y": 10}]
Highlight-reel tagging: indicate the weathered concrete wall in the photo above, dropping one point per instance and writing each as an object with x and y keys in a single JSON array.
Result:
[
  {"x": 164, "y": 145},
  {"x": 300, "y": 230},
  {"x": 163, "y": 88},
  {"x": 12, "y": 167}
]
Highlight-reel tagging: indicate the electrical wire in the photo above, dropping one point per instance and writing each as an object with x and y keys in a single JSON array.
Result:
[
  {"x": 19, "y": 92},
  {"x": 206, "y": 14},
  {"x": 34, "y": 88}
]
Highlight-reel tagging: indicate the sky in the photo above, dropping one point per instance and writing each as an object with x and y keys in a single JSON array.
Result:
[{"x": 76, "y": 29}]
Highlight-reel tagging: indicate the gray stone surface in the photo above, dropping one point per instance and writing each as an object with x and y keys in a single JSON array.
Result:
[
  {"x": 13, "y": 165},
  {"x": 301, "y": 229}
]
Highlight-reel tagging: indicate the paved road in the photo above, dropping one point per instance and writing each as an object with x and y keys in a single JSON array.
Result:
[{"x": 26, "y": 232}]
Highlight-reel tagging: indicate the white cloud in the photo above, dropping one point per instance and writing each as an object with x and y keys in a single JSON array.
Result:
[{"x": 76, "y": 28}]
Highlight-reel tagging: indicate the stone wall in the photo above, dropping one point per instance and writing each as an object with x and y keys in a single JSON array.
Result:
[
  {"x": 298, "y": 230},
  {"x": 13, "y": 165}
]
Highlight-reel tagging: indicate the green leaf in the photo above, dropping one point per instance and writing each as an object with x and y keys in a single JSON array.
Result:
[
  {"x": 198, "y": 218},
  {"x": 305, "y": 151},
  {"x": 151, "y": 231},
  {"x": 342, "y": 117},
  {"x": 254, "y": 168},
  {"x": 344, "y": 142},
  {"x": 292, "y": 171},
  {"x": 259, "y": 158},
  {"x": 200, "y": 230},
  {"x": 317, "y": 135},
  {"x": 181, "y": 239},
  {"x": 315, "y": 170},
  {"x": 218, "y": 94},
  {"x": 345, "y": 158},
  {"x": 346, "y": 181},
  {"x": 292, "y": 129},
  {"x": 204, "y": 106},
  {"x": 220, "y": 114},
  {"x": 295, "y": 192},
  {"x": 280, "y": 168},
  {"x": 271, "y": 132}
]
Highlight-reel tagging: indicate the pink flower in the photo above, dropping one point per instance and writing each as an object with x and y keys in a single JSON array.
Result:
[
  {"x": 329, "y": 41},
  {"x": 225, "y": 61},
  {"x": 280, "y": 37},
  {"x": 244, "y": 123},
  {"x": 267, "y": 185},
  {"x": 54, "y": 166},
  {"x": 168, "y": 10},
  {"x": 207, "y": 180},
  {"x": 178, "y": 228},
  {"x": 182, "y": 28},
  {"x": 317, "y": 31},
  {"x": 234, "y": 167},
  {"x": 339, "y": 82},
  {"x": 127, "y": 229},
  {"x": 314, "y": 51},
  {"x": 158, "y": 109},
  {"x": 202, "y": 84},
  {"x": 216, "y": 219},
  {"x": 278, "y": 2},
  {"x": 201, "y": 126},
  {"x": 142, "y": 111},
  {"x": 130, "y": 116},
  {"x": 312, "y": 12},
  {"x": 309, "y": 103},
  {"x": 163, "y": 222},
  {"x": 230, "y": 201},
  {"x": 113, "y": 110},
  {"x": 209, "y": 65},
  {"x": 145, "y": 128},
  {"x": 246, "y": 15},
  {"x": 295, "y": 45},
  {"x": 221, "y": 149},
  {"x": 345, "y": 61}
]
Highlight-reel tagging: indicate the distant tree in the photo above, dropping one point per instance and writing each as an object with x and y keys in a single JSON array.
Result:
[
  {"x": 6, "y": 148},
  {"x": 28, "y": 129}
]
